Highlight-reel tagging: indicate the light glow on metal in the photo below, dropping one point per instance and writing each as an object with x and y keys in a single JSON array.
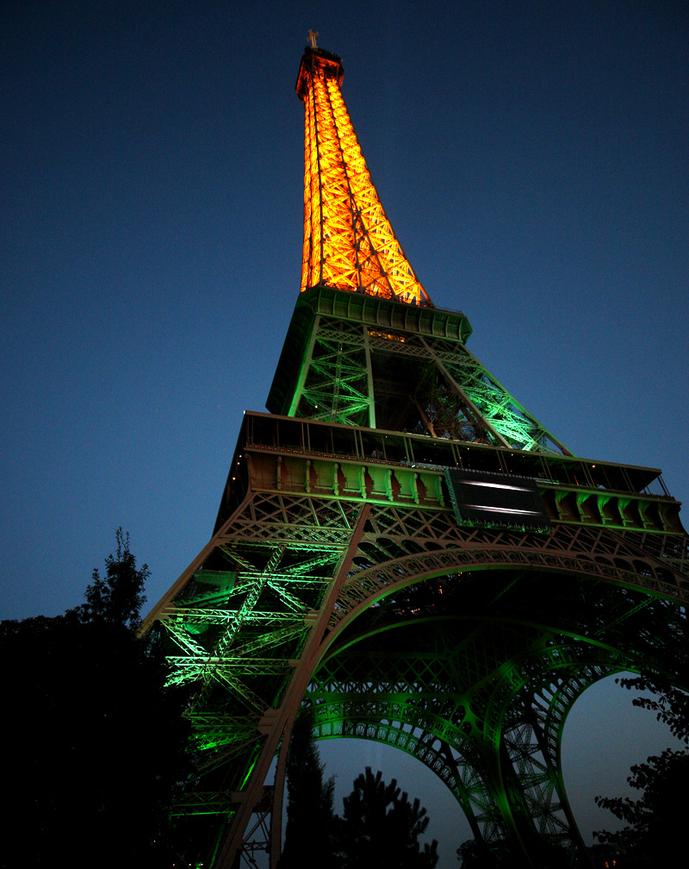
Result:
[
  {"x": 349, "y": 243},
  {"x": 494, "y": 485},
  {"x": 510, "y": 510}
]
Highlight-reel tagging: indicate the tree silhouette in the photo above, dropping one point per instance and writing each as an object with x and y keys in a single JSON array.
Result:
[
  {"x": 654, "y": 823},
  {"x": 502, "y": 854},
  {"x": 94, "y": 745},
  {"x": 117, "y": 597},
  {"x": 310, "y": 819},
  {"x": 380, "y": 827}
]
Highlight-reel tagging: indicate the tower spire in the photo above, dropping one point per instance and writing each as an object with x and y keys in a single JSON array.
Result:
[{"x": 349, "y": 243}]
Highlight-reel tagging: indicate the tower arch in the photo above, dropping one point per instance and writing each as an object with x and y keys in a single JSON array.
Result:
[{"x": 477, "y": 683}]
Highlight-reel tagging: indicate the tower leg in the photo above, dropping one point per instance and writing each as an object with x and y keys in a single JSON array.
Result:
[{"x": 277, "y": 722}]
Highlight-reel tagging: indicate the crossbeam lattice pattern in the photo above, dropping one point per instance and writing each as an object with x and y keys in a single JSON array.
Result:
[{"x": 349, "y": 243}]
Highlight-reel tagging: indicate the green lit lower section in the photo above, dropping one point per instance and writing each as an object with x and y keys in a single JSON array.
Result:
[
  {"x": 441, "y": 641},
  {"x": 481, "y": 696}
]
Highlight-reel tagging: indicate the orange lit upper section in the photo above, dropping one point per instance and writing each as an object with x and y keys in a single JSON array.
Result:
[{"x": 348, "y": 241}]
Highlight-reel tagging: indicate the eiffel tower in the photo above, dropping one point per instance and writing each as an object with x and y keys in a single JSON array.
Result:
[{"x": 402, "y": 547}]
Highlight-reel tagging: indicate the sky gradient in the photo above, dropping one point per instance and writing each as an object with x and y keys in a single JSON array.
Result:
[{"x": 531, "y": 158}]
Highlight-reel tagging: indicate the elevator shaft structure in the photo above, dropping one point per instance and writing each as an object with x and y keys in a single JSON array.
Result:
[{"x": 405, "y": 549}]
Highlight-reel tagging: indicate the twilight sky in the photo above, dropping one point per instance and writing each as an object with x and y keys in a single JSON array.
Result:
[{"x": 531, "y": 157}]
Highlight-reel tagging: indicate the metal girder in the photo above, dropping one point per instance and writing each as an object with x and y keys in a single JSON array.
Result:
[
  {"x": 502, "y": 415},
  {"x": 334, "y": 383}
]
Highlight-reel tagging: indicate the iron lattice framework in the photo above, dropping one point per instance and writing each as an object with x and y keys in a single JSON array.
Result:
[
  {"x": 349, "y": 243},
  {"x": 398, "y": 497}
]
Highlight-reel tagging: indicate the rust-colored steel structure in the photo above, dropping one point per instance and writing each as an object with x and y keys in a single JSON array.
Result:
[{"x": 403, "y": 547}]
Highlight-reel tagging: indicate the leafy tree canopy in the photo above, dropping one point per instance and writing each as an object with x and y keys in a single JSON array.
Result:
[
  {"x": 654, "y": 824},
  {"x": 310, "y": 820},
  {"x": 381, "y": 827},
  {"x": 654, "y": 830},
  {"x": 117, "y": 597},
  {"x": 502, "y": 854},
  {"x": 93, "y": 744}
]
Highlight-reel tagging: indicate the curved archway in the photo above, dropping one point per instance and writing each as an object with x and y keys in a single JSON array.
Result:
[{"x": 492, "y": 730}]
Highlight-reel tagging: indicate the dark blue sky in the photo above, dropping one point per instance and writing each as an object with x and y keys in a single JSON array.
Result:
[{"x": 532, "y": 158}]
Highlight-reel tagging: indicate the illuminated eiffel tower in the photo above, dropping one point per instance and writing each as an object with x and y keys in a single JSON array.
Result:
[{"x": 404, "y": 548}]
